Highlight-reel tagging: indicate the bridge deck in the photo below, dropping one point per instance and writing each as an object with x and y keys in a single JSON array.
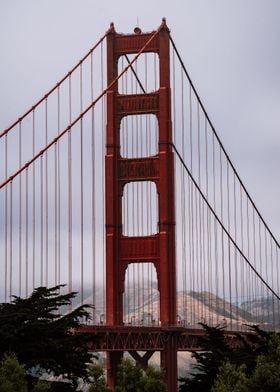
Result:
[{"x": 144, "y": 338}]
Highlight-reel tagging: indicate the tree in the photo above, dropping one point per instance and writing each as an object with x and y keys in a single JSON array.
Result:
[
  {"x": 153, "y": 380},
  {"x": 217, "y": 351},
  {"x": 129, "y": 377},
  {"x": 41, "y": 336},
  {"x": 132, "y": 378},
  {"x": 231, "y": 378},
  {"x": 42, "y": 386},
  {"x": 12, "y": 375},
  {"x": 266, "y": 375},
  {"x": 96, "y": 377},
  {"x": 208, "y": 362},
  {"x": 220, "y": 366}
]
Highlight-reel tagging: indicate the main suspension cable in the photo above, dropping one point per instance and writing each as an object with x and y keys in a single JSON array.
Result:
[
  {"x": 81, "y": 115},
  {"x": 221, "y": 224},
  {"x": 7, "y": 130},
  {"x": 219, "y": 140}
]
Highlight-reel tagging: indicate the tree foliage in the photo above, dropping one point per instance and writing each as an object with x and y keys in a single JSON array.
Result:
[
  {"x": 42, "y": 386},
  {"x": 132, "y": 378},
  {"x": 12, "y": 375},
  {"x": 253, "y": 364},
  {"x": 231, "y": 378},
  {"x": 266, "y": 375},
  {"x": 41, "y": 335},
  {"x": 208, "y": 362},
  {"x": 96, "y": 377},
  {"x": 129, "y": 377},
  {"x": 153, "y": 380}
]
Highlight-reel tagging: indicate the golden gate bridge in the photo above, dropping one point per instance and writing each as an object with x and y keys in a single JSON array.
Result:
[{"x": 117, "y": 184}]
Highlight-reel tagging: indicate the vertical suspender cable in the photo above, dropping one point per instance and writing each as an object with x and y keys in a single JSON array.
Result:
[
  {"x": 215, "y": 229},
  {"x": 199, "y": 211},
  {"x": 6, "y": 222},
  {"x": 47, "y": 197},
  {"x": 55, "y": 203},
  {"x": 93, "y": 215},
  {"x": 191, "y": 190},
  {"x": 235, "y": 237},
  {"x": 249, "y": 237},
  {"x": 266, "y": 271},
  {"x": 255, "y": 258},
  {"x": 81, "y": 187},
  {"x": 70, "y": 189},
  {"x": 222, "y": 233},
  {"x": 209, "y": 253},
  {"x": 277, "y": 281},
  {"x": 260, "y": 261},
  {"x": 229, "y": 244},
  {"x": 272, "y": 282},
  {"x": 196, "y": 243},
  {"x": 240, "y": 282},
  {"x": 41, "y": 221},
  {"x": 58, "y": 193},
  {"x": 248, "y": 248},
  {"x": 183, "y": 203},
  {"x": 26, "y": 231},
  {"x": 33, "y": 203},
  {"x": 20, "y": 213},
  {"x": 11, "y": 240},
  {"x": 103, "y": 175}
]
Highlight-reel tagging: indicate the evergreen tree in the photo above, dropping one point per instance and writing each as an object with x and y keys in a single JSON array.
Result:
[
  {"x": 231, "y": 378},
  {"x": 153, "y": 380},
  {"x": 208, "y": 362},
  {"x": 12, "y": 375},
  {"x": 41, "y": 336},
  {"x": 266, "y": 376},
  {"x": 42, "y": 386},
  {"x": 132, "y": 378},
  {"x": 96, "y": 378},
  {"x": 129, "y": 377},
  {"x": 218, "y": 351}
]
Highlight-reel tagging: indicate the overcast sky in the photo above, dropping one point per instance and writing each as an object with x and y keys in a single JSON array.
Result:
[{"x": 230, "y": 48}]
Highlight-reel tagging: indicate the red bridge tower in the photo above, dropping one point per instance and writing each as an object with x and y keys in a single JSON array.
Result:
[{"x": 159, "y": 248}]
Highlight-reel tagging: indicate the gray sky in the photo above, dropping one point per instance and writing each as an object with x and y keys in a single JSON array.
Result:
[{"x": 230, "y": 48}]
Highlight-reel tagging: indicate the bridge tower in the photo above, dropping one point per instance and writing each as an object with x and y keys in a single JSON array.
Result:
[{"x": 159, "y": 248}]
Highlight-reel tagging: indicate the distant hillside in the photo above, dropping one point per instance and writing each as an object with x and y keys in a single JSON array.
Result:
[
  {"x": 265, "y": 311},
  {"x": 141, "y": 306}
]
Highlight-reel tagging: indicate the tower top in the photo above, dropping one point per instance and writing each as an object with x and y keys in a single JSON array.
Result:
[{"x": 137, "y": 29}]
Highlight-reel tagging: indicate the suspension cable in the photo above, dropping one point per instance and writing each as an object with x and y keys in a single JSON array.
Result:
[
  {"x": 221, "y": 224},
  {"x": 54, "y": 87},
  {"x": 219, "y": 140},
  {"x": 81, "y": 115}
]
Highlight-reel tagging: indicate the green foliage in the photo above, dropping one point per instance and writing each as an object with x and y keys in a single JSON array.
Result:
[
  {"x": 250, "y": 347},
  {"x": 208, "y": 362},
  {"x": 266, "y": 376},
  {"x": 132, "y": 378},
  {"x": 231, "y": 378},
  {"x": 221, "y": 368},
  {"x": 62, "y": 387},
  {"x": 12, "y": 375},
  {"x": 218, "y": 351},
  {"x": 129, "y": 377},
  {"x": 42, "y": 336},
  {"x": 96, "y": 377},
  {"x": 42, "y": 386},
  {"x": 153, "y": 380}
]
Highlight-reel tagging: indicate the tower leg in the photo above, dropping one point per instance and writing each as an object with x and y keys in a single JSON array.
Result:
[
  {"x": 169, "y": 366},
  {"x": 113, "y": 361}
]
